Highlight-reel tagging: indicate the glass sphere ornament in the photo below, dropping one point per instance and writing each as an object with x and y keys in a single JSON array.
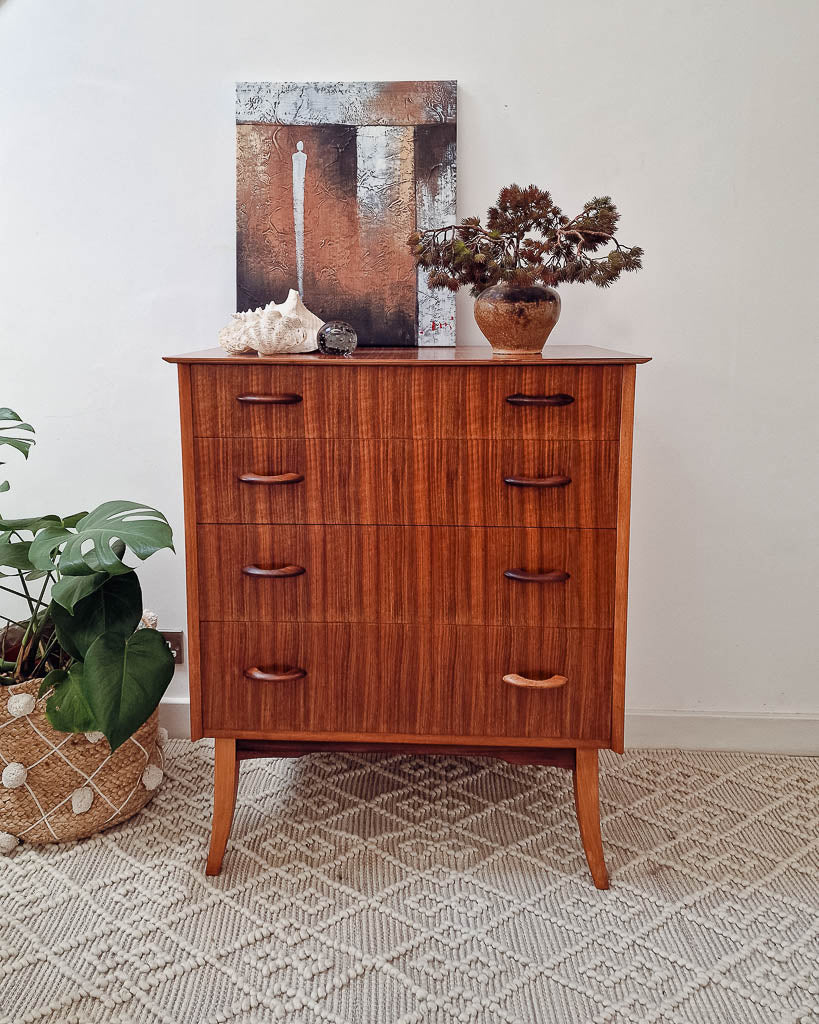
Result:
[{"x": 337, "y": 338}]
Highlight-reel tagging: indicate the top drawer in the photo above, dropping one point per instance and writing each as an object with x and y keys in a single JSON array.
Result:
[{"x": 565, "y": 403}]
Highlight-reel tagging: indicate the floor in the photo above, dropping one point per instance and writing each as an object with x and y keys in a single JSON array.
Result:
[{"x": 367, "y": 890}]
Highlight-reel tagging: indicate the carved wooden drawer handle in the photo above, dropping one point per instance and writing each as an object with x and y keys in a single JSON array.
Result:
[
  {"x": 550, "y": 400},
  {"x": 285, "y": 571},
  {"x": 263, "y": 675},
  {"x": 538, "y": 481},
  {"x": 279, "y": 478},
  {"x": 551, "y": 683},
  {"x": 525, "y": 576},
  {"x": 283, "y": 399}
]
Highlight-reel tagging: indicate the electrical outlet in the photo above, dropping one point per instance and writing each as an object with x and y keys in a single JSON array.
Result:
[{"x": 173, "y": 638}]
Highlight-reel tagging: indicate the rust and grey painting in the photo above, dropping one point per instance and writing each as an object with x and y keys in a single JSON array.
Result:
[{"x": 332, "y": 178}]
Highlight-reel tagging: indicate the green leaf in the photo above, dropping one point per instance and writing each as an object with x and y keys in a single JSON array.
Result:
[
  {"x": 54, "y": 677},
  {"x": 93, "y": 560},
  {"x": 22, "y": 444},
  {"x": 31, "y": 525},
  {"x": 142, "y": 529},
  {"x": 19, "y": 425},
  {"x": 72, "y": 520},
  {"x": 67, "y": 708},
  {"x": 9, "y": 420},
  {"x": 116, "y": 608},
  {"x": 15, "y": 554},
  {"x": 123, "y": 681},
  {"x": 70, "y": 589},
  {"x": 13, "y": 422},
  {"x": 45, "y": 544}
]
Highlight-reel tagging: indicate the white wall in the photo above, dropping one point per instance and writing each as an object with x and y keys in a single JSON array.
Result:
[{"x": 116, "y": 246}]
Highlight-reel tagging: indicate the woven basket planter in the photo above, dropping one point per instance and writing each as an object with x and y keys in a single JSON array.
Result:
[{"x": 57, "y": 786}]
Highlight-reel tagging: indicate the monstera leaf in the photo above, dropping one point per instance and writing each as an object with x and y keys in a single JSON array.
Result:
[
  {"x": 14, "y": 554},
  {"x": 71, "y": 589},
  {"x": 10, "y": 421},
  {"x": 11, "y": 526},
  {"x": 122, "y": 681},
  {"x": 67, "y": 709},
  {"x": 115, "y": 608},
  {"x": 95, "y": 544}
]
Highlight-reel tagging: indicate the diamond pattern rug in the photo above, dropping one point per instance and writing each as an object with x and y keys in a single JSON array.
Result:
[{"x": 415, "y": 890}]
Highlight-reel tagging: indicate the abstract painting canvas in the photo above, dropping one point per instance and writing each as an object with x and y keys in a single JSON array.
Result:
[{"x": 332, "y": 178}]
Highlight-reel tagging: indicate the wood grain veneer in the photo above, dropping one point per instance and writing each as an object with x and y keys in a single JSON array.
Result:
[
  {"x": 386, "y": 553},
  {"x": 403, "y": 574},
  {"x": 407, "y": 482},
  {"x": 189, "y": 488},
  {"x": 391, "y": 679},
  {"x": 386, "y": 402},
  {"x": 618, "y": 707}
]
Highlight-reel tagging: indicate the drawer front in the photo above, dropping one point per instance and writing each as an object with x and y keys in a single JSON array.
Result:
[
  {"x": 383, "y": 680},
  {"x": 480, "y": 483},
  {"x": 423, "y": 574},
  {"x": 340, "y": 401},
  {"x": 248, "y": 401}
]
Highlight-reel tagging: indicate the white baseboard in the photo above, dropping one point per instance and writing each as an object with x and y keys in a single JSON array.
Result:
[
  {"x": 175, "y": 715},
  {"x": 764, "y": 733},
  {"x": 683, "y": 730}
]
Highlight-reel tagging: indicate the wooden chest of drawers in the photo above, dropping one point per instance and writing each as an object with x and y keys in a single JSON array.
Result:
[{"x": 415, "y": 549}]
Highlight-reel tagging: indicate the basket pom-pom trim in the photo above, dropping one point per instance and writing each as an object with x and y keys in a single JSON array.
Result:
[
  {"x": 20, "y": 704},
  {"x": 152, "y": 776},
  {"x": 14, "y": 775},
  {"x": 8, "y": 842}
]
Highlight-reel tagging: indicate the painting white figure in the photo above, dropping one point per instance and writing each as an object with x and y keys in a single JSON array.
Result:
[{"x": 299, "y": 176}]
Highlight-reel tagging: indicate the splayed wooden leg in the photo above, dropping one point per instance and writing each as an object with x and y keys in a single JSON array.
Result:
[
  {"x": 587, "y": 805},
  {"x": 225, "y": 784}
]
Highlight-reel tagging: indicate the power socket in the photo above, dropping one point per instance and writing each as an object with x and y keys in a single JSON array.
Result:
[{"x": 173, "y": 638}]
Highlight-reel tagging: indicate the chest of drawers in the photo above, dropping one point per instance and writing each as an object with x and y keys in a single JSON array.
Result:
[{"x": 418, "y": 550}]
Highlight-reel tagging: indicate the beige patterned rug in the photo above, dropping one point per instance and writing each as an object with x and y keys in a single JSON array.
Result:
[{"x": 367, "y": 890}]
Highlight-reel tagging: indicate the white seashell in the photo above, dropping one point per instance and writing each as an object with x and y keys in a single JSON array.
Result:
[
  {"x": 242, "y": 333},
  {"x": 161, "y": 736},
  {"x": 94, "y": 737},
  {"x": 286, "y": 327},
  {"x": 21, "y": 704},
  {"x": 152, "y": 776},
  {"x": 8, "y": 842},
  {"x": 288, "y": 336},
  {"x": 81, "y": 799},
  {"x": 293, "y": 306},
  {"x": 232, "y": 341},
  {"x": 14, "y": 775}
]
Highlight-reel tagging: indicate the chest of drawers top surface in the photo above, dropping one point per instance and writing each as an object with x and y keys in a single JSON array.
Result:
[
  {"x": 458, "y": 355},
  {"x": 376, "y": 543}
]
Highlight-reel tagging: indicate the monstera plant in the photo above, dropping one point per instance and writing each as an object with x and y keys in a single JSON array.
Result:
[{"x": 75, "y": 623}]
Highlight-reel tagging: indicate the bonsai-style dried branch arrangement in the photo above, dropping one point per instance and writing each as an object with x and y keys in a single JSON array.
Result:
[{"x": 527, "y": 240}]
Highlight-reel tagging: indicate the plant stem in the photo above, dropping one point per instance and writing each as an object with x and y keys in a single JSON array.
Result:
[
  {"x": 25, "y": 595},
  {"x": 16, "y": 593},
  {"x": 13, "y": 622},
  {"x": 44, "y": 658},
  {"x": 46, "y": 581}
]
